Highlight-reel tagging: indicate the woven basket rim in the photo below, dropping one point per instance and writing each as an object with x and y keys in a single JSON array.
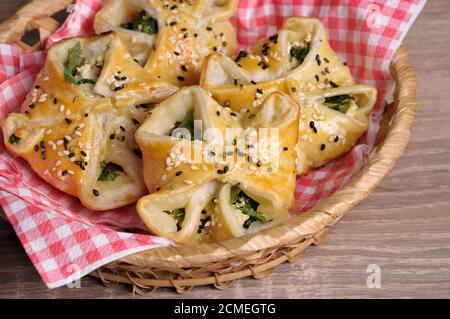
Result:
[{"x": 186, "y": 266}]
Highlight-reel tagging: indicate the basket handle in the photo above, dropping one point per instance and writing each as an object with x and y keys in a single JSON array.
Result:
[{"x": 36, "y": 15}]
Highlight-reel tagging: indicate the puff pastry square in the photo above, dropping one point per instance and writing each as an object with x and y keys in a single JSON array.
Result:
[
  {"x": 208, "y": 188},
  {"x": 76, "y": 125},
  {"x": 171, "y": 38}
]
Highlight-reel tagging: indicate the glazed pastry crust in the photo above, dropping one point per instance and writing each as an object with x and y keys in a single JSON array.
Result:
[
  {"x": 187, "y": 33},
  {"x": 180, "y": 183}
]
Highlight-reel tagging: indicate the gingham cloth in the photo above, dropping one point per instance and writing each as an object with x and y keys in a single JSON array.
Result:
[{"x": 65, "y": 241}]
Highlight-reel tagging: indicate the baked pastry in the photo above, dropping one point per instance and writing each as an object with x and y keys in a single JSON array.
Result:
[
  {"x": 297, "y": 60},
  {"x": 230, "y": 177},
  {"x": 298, "y": 52},
  {"x": 76, "y": 125},
  {"x": 171, "y": 38},
  {"x": 331, "y": 123}
]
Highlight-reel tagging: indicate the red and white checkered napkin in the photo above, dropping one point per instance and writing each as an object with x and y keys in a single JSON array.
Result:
[{"x": 65, "y": 241}]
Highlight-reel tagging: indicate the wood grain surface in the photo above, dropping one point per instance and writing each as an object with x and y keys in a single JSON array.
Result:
[{"x": 403, "y": 226}]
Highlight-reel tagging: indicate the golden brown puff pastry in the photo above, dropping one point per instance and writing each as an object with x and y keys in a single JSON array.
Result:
[
  {"x": 171, "y": 38},
  {"x": 331, "y": 123},
  {"x": 73, "y": 128},
  {"x": 299, "y": 51},
  {"x": 235, "y": 176}
]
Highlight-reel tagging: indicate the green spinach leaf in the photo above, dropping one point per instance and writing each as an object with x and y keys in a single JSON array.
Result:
[
  {"x": 247, "y": 205},
  {"x": 70, "y": 66},
  {"x": 300, "y": 53},
  {"x": 109, "y": 171},
  {"x": 145, "y": 23},
  {"x": 339, "y": 103}
]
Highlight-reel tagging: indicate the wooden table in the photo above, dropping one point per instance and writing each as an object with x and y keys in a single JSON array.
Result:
[{"x": 403, "y": 227}]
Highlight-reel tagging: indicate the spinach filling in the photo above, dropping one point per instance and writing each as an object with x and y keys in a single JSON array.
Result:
[
  {"x": 178, "y": 214},
  {"x": 110, "y": 171},
  {"x": 70, "y": 66},
  {"x": 339, "y": 103},
  {"x": 187, "y": 123},
  {"x": 247, "y": 205},
  {"x": 145, "y": 23},
  {"x": 300, "y": 53},
  {"x": 13, "y": 139}
]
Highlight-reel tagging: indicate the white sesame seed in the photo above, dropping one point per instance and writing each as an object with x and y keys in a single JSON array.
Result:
[{"x": 188, "y": 181}]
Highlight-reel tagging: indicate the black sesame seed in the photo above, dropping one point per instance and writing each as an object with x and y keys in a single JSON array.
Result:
[
  {"x": 293, "y": 89},
  {"x": 183, "y": 29},
  {"x": 317, "y": 77},
  {"x": 172, "y": 23},
  {"x": 112, "y": 136},
  {"x": 336, "y": 139},
  {"x": 36, "y": 148},
  {"x": 327, "y": 70},
  {"x": 176, "y": 53},
  {"x": 209, "y": 28},
  {"x": 203, "y": 211},
  {"x": 224, "y": 43},
  {"x": 64, "y": 172},
  {"x": 326, "y": 60},
  {"x": 233, "y": 114},
  {"x": 195, "y": 35},
  {"x": 72, "y": 154},
  {"x": 234, "y": 142},
  {"x": 258, "y": 163},
  {"x": 122, "y": 128},
  {"x": 318, "y": 60},
  {"x": 219, "y": 171},
  {"x": 179, "y": 173},
  {"x": 260, "y": 91},
  {"x": 32, "y": 106},
  {"x": 158, "y": 189},
  {"x": 214, "y": 49},
  {"x": 184, "y": 68},
  {"x": 180, "y": 78},
  {"x": 95, "y": 192},
  {"x": 82, "y": 167},
  {"x": 83, "y": 153},
  {"x": 285, "y": 148},
  {"x": 322, "y": 147},
  {"x": 68, "y": 121},
  {"x": 227, "y": 103},
  {"x": 218, "y": 113},
  {"x": 311, "y": 124},
  {"x": 235, "y": 81},
  {"x": 252, "y": 82},
  {"x": 86, "y": 115},
  {"x": 274, "y": 38},
  {"x": 135, "y": 122},
  {"x": 334, "y": 85},
  {"x": 78, "y": 162},
  {"x": 225, "y": 169},
  {"x": 251, "y": 116}
]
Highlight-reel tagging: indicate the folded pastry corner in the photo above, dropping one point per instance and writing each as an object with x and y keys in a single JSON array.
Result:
[
  {"x": 332, "y": 121},
  {"x": 171, "y": 40}
]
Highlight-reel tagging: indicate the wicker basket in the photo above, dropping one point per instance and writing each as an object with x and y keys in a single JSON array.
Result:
[{"x": 255, "y": 255}]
